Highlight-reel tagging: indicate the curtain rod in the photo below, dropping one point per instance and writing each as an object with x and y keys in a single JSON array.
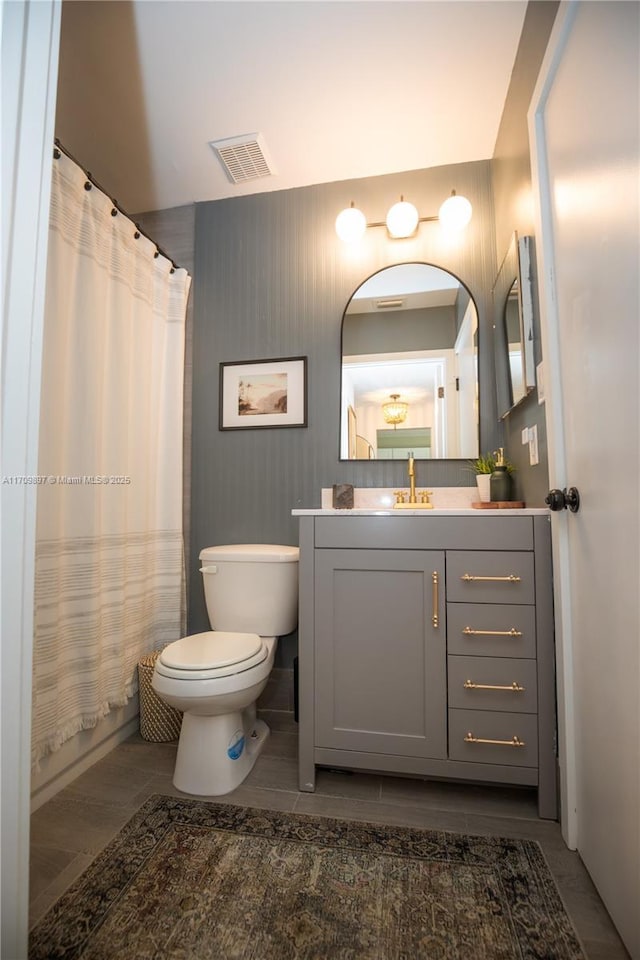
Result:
[{"x": 92, "y": 182}]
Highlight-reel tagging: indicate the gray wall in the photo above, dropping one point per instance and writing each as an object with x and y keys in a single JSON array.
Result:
[
  {"x": 272, "y": 280},
  {"x": 511, "y": 178},
  {"x": 429, "y": 328}
]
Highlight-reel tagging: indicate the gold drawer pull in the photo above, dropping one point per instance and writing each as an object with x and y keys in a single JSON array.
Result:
[
  {"x": 470, "y": 632},
  {"x": 512, "y": 578},
  {"x": 514, "y": 742},
  {"x": 514, "y": 687},
  {"x": 435, "y": 618}
]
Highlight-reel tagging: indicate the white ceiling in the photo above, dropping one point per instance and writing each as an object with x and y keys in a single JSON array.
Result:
[
  {"x": 374, "y": 382},
  {"x": 338, "y": 90},
  {"x": 415, "y": 284}
]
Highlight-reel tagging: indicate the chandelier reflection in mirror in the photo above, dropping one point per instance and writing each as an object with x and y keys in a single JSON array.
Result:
[
  {"x": 395, "y": 410},
  {"x": 403, "y": 219}
]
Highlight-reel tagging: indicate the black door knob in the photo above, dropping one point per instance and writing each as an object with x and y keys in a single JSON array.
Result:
[
  {"x": 567, "y": 499},
  {"x": 555, "y": 500}
]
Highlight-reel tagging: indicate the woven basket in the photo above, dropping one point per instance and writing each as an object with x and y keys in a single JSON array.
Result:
[{"x": 158, "y": 721}]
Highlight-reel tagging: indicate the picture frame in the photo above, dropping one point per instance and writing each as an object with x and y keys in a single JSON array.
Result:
[{"x": 258, "y": 394}]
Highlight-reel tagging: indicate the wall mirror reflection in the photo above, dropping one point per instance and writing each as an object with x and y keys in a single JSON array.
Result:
[
  {"x": 410, "y": 367},
  {"x": 513, "y": 324}
]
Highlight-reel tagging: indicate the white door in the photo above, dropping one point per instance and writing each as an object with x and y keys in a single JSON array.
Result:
[
  {"x": 29, "y": 38},
  {"x": 584, "y": 131}
]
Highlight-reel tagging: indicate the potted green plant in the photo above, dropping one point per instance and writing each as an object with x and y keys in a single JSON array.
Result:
[{"x": 483, "y": 466}]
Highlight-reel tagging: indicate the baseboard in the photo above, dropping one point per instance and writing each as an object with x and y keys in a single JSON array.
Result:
[{"x": 74, "y": 757}]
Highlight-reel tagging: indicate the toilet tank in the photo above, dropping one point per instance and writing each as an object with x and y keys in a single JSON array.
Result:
[{"x": 251, "y": 588}]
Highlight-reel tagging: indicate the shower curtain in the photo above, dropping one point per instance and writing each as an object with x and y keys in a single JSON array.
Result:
[{"x": 109, "y": 549}]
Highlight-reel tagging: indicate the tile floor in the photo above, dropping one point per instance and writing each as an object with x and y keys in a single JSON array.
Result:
[{"x": 69, "y": 830}]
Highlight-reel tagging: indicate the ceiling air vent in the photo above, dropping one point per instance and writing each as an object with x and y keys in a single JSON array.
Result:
[
  {"x": 389, "y": 303},
  {"x": 243, "y": 158}
]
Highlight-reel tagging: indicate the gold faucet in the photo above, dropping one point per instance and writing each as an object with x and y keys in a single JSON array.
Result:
[
  {"x": 413, "y": 502},
  {"x": 412, "y": 479}
]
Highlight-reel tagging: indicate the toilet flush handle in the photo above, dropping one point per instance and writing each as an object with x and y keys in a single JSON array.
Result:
[{"x": 210, "y": 569}]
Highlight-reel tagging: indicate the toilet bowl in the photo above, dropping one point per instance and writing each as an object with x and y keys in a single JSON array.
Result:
[{"x": 216, "y": 677}]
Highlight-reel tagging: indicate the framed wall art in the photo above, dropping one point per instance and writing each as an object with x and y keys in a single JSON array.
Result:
[{"x": 263, "y": 393}]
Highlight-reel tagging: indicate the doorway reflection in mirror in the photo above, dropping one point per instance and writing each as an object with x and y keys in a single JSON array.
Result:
[{"x": 514, "y": 341}]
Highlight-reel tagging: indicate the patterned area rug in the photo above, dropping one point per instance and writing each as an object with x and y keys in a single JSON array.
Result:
[{"x": 189, "y": 880}]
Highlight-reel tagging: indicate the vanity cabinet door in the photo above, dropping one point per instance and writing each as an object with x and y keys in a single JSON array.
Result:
[{"x": 380, "y": 652}]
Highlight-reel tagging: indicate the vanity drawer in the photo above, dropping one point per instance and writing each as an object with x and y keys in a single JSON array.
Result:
[
  {"x": 479, "y": 576},
  {"x": 493, "y": 726},
  {"x": 491, "y": 629},
  {"x": 488, "y": 672},
  {"x": 397, "y": 532}
]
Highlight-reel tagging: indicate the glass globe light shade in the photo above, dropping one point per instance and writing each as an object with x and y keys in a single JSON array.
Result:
[
  {"x": 402, "y": 219},
  {"x": 455, "y": 212},
  {"x": 351, "y": 224}
]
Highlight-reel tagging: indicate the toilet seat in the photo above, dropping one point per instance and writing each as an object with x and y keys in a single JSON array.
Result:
[{"x": 214, "y": 653}]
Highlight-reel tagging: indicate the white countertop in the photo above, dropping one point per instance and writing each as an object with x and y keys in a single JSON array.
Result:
[
  {"x": 447, "y": 502},
  {"x": 425, "y": 514}
]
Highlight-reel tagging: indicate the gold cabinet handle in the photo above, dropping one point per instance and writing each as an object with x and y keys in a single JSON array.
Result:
[
  {"x": 470, "y": 632},
  {"x": 435, "y": 618},
  {"x": 514, "y": 742},
  {"x": 514, "y": 687},
  {"x": 512, "y": 578}
]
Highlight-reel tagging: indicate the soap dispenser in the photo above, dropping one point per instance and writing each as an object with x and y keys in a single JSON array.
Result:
[{"x": 500, "y": 481}]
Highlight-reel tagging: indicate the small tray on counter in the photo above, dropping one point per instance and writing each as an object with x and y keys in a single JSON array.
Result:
[{"x": 498, "y": 505}]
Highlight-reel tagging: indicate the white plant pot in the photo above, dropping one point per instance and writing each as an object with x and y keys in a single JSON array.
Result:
[{"x": 483, "y": 481}]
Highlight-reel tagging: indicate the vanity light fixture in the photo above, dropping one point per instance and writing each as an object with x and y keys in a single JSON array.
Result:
[
  {"x": 455, "y": 212},
  {"x": 395, "y": 410},
  {"x": 403, "y": 219},
  {"x": 351, "y": 224}
]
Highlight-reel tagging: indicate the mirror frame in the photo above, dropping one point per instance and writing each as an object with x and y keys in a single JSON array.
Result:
[
  {"x": 517, "y": 265},
  {"x": 479, "y": 340}
]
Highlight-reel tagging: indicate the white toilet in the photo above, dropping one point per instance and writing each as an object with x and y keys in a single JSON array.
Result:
[{"x": 215, "y": 678}]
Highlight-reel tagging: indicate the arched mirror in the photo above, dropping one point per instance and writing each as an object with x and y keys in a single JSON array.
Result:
[
  {"x": 410, "y": 367},
  {"x": 513, "y": 324}
]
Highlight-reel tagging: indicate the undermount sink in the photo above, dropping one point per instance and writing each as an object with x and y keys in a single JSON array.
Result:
[{"x": 413, "y": 506}]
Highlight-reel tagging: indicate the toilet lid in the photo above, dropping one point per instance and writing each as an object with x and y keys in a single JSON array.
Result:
[{"x": 212, "y": 650}]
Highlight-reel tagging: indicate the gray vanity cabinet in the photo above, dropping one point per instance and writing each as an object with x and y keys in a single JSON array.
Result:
[
  {"x": 380, "y": 652},
  {"x": 426, "y": 648}
]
